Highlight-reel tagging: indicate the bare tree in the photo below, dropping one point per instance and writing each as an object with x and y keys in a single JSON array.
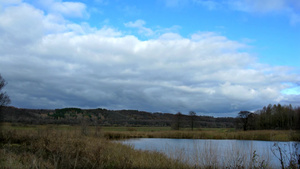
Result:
[
  {"x": 193, "y": 116},
  {"x": 177, "y": 123},
  {"x": 4, "y": 98}
]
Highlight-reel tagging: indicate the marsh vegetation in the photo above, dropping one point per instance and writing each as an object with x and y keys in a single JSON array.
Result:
[
  {"x": 64, "y": 146},
  {"x": 223, "y": 153},
  {"x": 48, "y": 147}
]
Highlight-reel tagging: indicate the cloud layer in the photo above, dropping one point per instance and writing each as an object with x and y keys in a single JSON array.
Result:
[{"x": 50, "y": 62}]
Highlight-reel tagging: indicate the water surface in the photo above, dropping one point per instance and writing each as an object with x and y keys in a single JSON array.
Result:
[{"x": 223, "y": 152}]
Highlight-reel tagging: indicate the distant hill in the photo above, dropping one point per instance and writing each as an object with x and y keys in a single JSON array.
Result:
[{"x": 104, "y": 117}]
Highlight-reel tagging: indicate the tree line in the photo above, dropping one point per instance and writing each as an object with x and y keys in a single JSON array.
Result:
[
  {"x": 4, "y": 98},
  {"x": 270, "y": 117}
]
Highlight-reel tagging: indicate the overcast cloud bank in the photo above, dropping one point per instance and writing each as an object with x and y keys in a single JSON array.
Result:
[{"x": 51, "y": 62}]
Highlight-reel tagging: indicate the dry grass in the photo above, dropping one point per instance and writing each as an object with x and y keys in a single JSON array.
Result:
[
  {"x": 165, "y": 132},
  {"x": 265, "y": 135},
  {"x": 48, "y": 148},
  {"x": 68, "y": 147}
]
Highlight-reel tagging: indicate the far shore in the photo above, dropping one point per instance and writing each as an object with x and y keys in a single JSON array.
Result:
[{"x": 117, "y": 132}]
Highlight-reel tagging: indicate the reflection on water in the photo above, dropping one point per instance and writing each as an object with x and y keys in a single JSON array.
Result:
[{"x": 218, "y": 153}]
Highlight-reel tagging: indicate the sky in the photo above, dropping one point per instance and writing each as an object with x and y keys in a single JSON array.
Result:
[{"x": 214, "y": 57}]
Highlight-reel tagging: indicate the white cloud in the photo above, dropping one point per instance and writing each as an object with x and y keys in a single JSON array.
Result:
[
  {"x": 66, "y": 9},
  {"x": 77, "y": 65},
  {"x": 70, "y": 9},
  {"x": 20, "y": 25},
  {"x": 154, "y": 33},
  {"x": 170, "y": 36},
  {"x": 139, "y": 24}
]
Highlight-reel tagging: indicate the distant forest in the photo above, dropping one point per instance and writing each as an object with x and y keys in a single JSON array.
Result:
[{"x": 270, "y": 117}]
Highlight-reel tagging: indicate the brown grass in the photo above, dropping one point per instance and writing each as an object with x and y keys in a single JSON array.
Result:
[
  {"x": 165, "y": 132},
  {"x": 48, "y": 148},
  {"x": 265, "y": 135},
  {"x": 51, "y": 146}
]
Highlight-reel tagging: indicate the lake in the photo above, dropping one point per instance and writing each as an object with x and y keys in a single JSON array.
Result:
[{"x": 219, "y": 153}]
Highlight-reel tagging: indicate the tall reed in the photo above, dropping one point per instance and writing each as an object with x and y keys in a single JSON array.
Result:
[
  {"x": 50, "y": 148},
  {"x": 69, "y": 147},
  {"x": 265, "y": 135},
  {"x": 212, "y": 155}
]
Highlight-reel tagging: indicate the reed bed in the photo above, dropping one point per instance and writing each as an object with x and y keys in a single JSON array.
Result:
[
  {"x": 91, "y": 147},
  {"x": 208, "y": 156},
  {"x": 265, "y": 135},
  {"x": 166, "y": 132},
  {"x": 50, "y": 148}
]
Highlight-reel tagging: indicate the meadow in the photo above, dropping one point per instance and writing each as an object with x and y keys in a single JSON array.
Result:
[
  {"x": 212, "y": 133},
  {"x": 64, "y": 146},
  {"x": 112, "y": 133}
]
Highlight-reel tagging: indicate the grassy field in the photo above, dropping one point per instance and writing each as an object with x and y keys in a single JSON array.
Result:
[
  {"x": 36, "y": 147},
  {"x": 204, "y": 133},
  {"x": 63, "y": 146},
  {"x": 265, "y": 135},
  {"x": 166, "y": 132}
]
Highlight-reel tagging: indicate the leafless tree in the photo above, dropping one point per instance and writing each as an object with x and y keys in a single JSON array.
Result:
[
  {"x": 178, "y": 119},
  {"x": 193, "y": 116},
  {"x": 4, "y": 98}
]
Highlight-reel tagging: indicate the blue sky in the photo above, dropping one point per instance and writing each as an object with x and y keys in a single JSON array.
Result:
[
  {"x": 272, "y": 34},
  {"x": 212, "y": 57}
]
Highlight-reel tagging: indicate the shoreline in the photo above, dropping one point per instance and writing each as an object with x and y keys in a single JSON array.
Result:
[
  {"x": 115, "y": 133},
  {"x": 63, "y": 146}
]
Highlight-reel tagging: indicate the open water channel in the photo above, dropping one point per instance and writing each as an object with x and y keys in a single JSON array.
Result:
[{"x": 202, "y": 152}]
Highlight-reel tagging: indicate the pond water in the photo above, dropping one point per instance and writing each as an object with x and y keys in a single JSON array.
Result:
[{"x": 220, "y": 153}]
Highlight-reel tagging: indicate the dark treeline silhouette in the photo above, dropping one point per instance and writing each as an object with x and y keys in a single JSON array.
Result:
[
  {"x": 4, "y": 98},
  {"x": 104, "y": 117},
  {"x": 270, "y": 117}
]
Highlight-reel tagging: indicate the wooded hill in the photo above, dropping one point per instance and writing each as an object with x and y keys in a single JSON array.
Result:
[
  {"x": 270, "y": 117},
  {"x": 104, "y": 117}
]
